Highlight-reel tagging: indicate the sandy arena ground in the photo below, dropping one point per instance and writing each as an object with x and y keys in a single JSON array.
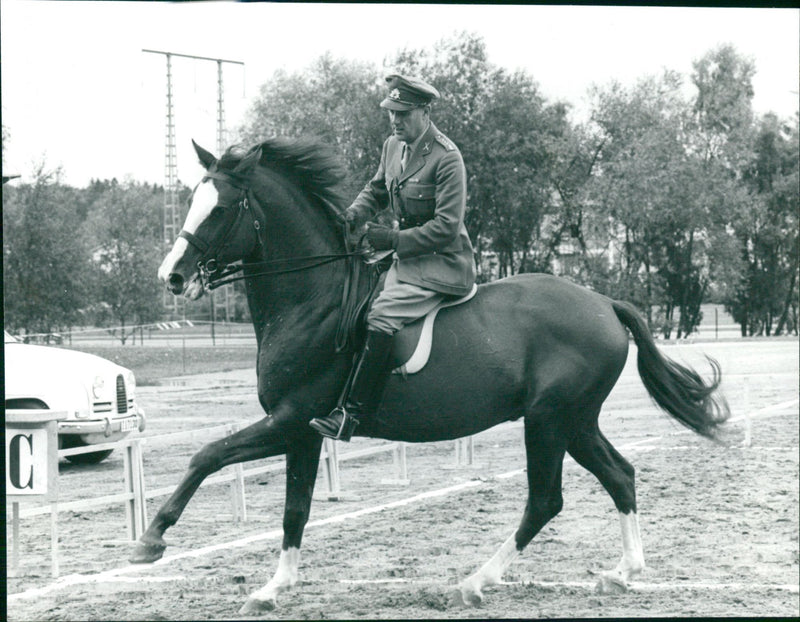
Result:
[{"x": 719, "y": 523}]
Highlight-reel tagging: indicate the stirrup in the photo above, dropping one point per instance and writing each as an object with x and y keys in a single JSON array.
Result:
[{"x": 338, "y": 425}]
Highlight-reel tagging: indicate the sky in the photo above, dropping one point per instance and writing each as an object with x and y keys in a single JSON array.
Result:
[{"x": 78, "y": 92}]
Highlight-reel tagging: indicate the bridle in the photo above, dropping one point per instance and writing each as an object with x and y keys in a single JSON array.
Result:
[{"x": 213, "y": 276}]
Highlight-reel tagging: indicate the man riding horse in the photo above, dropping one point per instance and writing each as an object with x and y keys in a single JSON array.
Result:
[{"x": 422, "y": 180}]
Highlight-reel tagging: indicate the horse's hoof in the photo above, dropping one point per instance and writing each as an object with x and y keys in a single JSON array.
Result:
[
  {"x": 148, "y": 552},
  {"x": 464, "y": 597},
  {"x": 254, "y": 606},
  {"x": 611, "y": 583}
]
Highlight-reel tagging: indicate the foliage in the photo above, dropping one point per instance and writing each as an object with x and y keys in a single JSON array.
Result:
[
  {"x": 661, "y": 200},
  {"x": 333, "y": 100},
  {"x": 514, "y": 145},
  {"x": 124, "y": 220},
  {"x": 766, "y": 296},
  {"x": 46, "y": 264},
  {"x": 667, "y": 182}
]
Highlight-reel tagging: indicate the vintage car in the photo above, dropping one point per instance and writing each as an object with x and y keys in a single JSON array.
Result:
[{"x": 96, "y": 395}]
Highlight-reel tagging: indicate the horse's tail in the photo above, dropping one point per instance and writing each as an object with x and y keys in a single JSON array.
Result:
[{"x": 677, "y": 389}]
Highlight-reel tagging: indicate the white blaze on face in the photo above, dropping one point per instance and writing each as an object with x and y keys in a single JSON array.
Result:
[{"x": 203, "y": 200}]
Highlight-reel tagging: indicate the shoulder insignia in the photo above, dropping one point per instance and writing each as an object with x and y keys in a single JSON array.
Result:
[{"x": 445, "y": 142}]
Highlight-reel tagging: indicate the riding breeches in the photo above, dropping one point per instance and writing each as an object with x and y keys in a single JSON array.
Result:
[{"x": 400, "y": 303}]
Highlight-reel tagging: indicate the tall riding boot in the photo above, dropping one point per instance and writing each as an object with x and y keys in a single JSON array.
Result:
[{"x": 363, "y": 397}]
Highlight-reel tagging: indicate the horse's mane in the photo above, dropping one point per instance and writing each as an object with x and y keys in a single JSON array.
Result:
[{"x": 309, "y": 162}]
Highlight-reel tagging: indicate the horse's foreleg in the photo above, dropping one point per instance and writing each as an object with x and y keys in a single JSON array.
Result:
[
  {"x": 545, "y": 452},
  {"x": 302, "y": 461},
  {"x": 253, "y": 442}
]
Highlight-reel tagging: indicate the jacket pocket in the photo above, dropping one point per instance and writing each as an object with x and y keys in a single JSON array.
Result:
[{"x": 419, "y": 202}]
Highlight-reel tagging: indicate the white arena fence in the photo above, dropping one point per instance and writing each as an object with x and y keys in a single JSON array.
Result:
[{"x": 134, "y": 495}]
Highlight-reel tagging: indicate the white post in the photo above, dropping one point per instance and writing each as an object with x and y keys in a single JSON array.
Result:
[
  {"x": 15, "y": 537},
  {"x": 54, "y": 538},
  {"x": 748, "y": 422},
  {"x": 238, "y": 503},
  {"x": 332, "y": 469},
  {"x": 239, "y": 469},
  {"x": 130, "y": 503},
  {"x": 399, "y": 461},
  {"x": 139, "y": 501},
  {"x": 402, "y": 465},
  {"x": 464, "y": 451},
  {"x": 470, "y": 450}
]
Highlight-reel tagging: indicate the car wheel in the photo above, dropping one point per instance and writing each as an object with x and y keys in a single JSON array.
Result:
[{"x": 90, "y": 458}]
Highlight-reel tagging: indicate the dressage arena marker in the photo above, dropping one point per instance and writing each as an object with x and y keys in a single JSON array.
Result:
[{"x": 118, "y": 573}]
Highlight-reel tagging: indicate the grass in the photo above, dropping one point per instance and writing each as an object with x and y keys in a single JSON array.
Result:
[{"x": 153, "y": 363}]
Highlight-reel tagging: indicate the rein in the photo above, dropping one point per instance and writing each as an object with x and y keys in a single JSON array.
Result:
[{"x": 215, "y": 278}]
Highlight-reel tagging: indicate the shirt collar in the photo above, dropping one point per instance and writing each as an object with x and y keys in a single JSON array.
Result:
[{"x": 413, "y": 146}]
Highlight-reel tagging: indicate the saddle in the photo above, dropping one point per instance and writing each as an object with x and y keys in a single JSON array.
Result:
[{"x": 412, "y": 345}]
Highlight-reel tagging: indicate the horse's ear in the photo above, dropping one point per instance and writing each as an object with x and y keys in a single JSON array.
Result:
[
  {"x": 248, "y": 162},
  {"x": 207, "y": 159}
]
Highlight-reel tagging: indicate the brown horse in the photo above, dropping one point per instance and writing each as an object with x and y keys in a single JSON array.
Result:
[{"x": 531, "y": 346}]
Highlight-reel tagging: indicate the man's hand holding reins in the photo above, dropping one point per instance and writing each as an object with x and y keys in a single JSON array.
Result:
[{"x": 381, "y": 237}]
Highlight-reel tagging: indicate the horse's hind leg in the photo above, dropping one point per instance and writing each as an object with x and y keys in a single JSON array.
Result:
[
  {"x": 545, "y": 446},
  {"x": 593, "y": 452}
]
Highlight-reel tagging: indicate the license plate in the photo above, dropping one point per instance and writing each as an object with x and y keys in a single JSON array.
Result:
[{"x": 128, "y": 425}]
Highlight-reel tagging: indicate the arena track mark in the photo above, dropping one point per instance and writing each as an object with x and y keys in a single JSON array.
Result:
[
  {"x": 117, "y": 573},
  {"x": 635, "y": 586}
]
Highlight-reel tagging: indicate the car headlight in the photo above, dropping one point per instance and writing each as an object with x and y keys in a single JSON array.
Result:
[
  {"x": 130, "y": 379},
  {"x": 97, "y": 386}
]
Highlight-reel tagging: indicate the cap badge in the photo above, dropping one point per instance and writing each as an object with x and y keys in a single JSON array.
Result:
[{"x": 395, "y": 94}]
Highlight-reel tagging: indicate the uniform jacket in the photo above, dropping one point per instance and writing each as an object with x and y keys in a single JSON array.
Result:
[{"x": 428, "y": 199}]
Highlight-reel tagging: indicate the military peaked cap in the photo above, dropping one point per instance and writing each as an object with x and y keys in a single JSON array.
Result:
[{"x": 407, "y": 93}]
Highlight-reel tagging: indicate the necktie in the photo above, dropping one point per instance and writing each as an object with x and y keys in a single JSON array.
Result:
[{"x": 406, "y": 157}]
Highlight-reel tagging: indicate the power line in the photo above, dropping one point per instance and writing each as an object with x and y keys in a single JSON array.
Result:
[{"x": 171, "y": 204}]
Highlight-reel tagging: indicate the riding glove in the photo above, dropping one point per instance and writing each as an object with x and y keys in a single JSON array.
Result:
[
  {"x": 381, "y": 237},
  {"x": 350, "y": 217}
]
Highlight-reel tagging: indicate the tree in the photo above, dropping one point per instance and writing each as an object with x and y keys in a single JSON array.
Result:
[
  {"x": 768, "y": 233},
  {"x": 762, "y": 156},
  {"x": 45, "y": 255},
  {"x": 512, "y": 142},
  {"x": 125, "y": 223},
  {"x": 666, "y": 200},
  {"x": 333, "y": 100},
  {"x": 723, "y": 106}
]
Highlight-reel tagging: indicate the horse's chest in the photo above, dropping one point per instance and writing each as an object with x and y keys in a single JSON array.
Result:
[{"x": 286, "y": 367}]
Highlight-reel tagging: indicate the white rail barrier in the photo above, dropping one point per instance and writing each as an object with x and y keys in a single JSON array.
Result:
[{"x": 134, "y": 495}]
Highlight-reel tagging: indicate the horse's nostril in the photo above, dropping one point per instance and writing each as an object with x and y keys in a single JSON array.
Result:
[{"x": 175, "y": 283}]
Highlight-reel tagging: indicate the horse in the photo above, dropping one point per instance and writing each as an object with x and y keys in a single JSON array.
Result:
[{"x": 530, "y": 346}]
